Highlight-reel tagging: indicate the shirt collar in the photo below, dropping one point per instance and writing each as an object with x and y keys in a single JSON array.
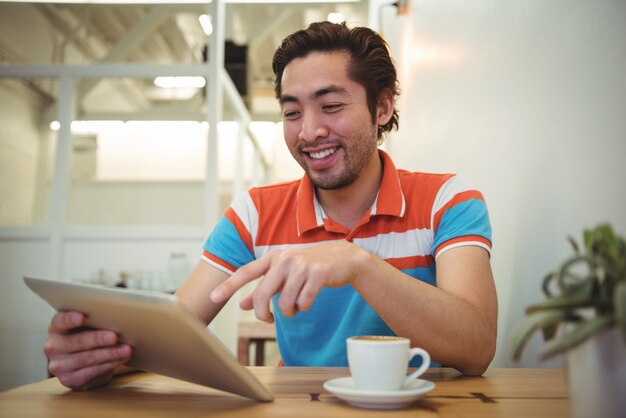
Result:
[{"x": 389, "y": 200}]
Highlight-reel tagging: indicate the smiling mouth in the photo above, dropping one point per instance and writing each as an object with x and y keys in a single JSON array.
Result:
[{"x": 322, "y": 154}]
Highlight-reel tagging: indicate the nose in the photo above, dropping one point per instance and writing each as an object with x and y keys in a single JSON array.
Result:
[{"x": 312, "y": 128}]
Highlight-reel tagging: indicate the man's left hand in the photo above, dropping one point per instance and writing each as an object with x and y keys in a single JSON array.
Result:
[{"x": 299, "y": 274}]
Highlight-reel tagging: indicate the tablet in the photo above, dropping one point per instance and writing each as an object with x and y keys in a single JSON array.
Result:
[{"x": 167, "y": 338}]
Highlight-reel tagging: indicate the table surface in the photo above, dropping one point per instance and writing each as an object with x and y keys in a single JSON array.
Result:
[{"x": 298, "y": 392}]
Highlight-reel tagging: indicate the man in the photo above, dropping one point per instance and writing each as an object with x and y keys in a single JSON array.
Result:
[{"x": 354, "y": 247}]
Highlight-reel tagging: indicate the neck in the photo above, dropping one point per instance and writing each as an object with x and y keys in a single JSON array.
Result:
[{"x": 348, "y": 204}]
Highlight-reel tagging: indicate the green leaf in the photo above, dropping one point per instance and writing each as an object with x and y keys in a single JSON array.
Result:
[
  {"x": 568, "y": 282},
  {"x": 534, "y": 322},
  {"x": 602, "y": 242},
  {"x": 574, "y": 244},
  {"x": 619, "y": 303},
  {"x": 620, "y": 246},
  {"x": 621, "y": 249},
  {"x": 588, "y": 235},
  {"x": 549, "y": 331},
  {"x": 581, "y": 332},
  {"x": 582, "y": 298},
  {"x": 595, "y": 277},
  {"x": 608, "y": 240},
  {"x": 545, "y": 284}
]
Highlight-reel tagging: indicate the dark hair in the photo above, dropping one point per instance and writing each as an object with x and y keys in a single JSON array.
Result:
[{"x": 370, "y": 62}]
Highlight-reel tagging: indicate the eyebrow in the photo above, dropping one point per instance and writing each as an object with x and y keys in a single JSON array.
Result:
[{"x": 286, "y": 98}]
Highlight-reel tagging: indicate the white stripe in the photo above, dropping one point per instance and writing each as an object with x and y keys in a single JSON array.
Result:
[
  {"x": 219, "y": 267},
  {"x": 246, "y": 211},
  {"x": 373, "y": 207},
  {"x": 446, "y": 193},
  {"x": 463, "y": 244},
  {"x": 319, "y": 212},
  {"x": 261, "y": 250},
  {"x": 373, "y": 210},
  {"x": 415, "y": 242},
  {"x": 401, "y": 194}
]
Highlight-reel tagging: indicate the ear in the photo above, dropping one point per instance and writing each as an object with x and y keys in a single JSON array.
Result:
[{"x": 384, "y": 109}]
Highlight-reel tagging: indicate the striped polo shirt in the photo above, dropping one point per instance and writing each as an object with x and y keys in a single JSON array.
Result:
[{"x": 414, "y": 219}]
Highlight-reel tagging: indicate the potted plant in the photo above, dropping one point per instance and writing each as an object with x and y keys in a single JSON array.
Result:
[{"x": 584, "y": 316}]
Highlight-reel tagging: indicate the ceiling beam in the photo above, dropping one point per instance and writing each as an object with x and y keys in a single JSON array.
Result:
[
  {"x": 129, "y": 43},
  {"x": 262, "y": 33},
  {"x": 137, "y": 34},
  {"x": 82, "y": 44}
]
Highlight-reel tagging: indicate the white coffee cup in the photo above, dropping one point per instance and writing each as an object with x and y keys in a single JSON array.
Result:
[{"x": 382, "y": 362}]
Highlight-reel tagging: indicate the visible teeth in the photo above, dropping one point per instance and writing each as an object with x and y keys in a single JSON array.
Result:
[{"x": 322, "y": 154}]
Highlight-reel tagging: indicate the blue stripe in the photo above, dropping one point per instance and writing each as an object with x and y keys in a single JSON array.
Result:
[
  {"x": 226, "y": 244},
  {"x": 466, "y": 218},
  {"x": 318, "y": 336}
]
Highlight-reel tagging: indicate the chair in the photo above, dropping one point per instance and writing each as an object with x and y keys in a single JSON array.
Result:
[{"x": 253, "y": 332}]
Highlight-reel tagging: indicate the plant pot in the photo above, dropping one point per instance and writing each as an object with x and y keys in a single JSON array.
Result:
[{"x": 597, "y": 376}]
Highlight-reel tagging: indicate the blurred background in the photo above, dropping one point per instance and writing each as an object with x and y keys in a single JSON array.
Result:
[{"x": 109, "y": 170}]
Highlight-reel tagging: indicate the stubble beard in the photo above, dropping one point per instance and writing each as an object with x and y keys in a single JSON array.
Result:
[{"x": 356, "y": 158}]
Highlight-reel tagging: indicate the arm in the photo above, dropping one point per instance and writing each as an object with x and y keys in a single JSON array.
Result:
[
  {"x": 194, "y": 292},
  {"x": 457, "y": 318}
]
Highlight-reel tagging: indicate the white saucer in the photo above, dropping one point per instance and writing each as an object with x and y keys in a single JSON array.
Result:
[{"x": 343, "y": 388}]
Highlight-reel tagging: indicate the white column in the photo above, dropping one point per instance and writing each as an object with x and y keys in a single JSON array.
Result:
[
  {"x": 239, "y": 175},
  {"x": 214, "y": 111},
  {"x": 62, "y": 172}
]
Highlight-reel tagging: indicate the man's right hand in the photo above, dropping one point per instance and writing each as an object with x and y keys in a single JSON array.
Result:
[{"x": 82, "y": 359}]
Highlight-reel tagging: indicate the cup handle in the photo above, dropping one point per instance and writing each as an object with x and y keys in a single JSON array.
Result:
[{"x": 425, "y": 364}]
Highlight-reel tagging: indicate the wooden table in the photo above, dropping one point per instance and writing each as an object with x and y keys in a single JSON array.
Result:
[{"x": 299, "y": 393}]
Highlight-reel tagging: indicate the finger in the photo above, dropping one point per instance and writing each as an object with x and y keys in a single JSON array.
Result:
[
  {"x": 246, "y": 303},
  {"x": 80, "y": 341},
  {"x": 273, "y": 282},
  {"x": 242, "y": 276},
  {"x": 261, "y": 304},
  {"x": 63, "y": 322},
  {"x": 309, "y": 292},
  {"x": 289, "y": 295},
  {"x": 89, "y": 377},
  {"x": 64, "y": 364}
]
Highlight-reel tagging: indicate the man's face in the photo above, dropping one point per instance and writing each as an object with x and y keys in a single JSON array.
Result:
[{"x": 326, "y": 121}]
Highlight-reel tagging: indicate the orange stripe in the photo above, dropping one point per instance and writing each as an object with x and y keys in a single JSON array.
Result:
[
  {"x": 420, "y": 191},
  {"x": 277, "y": 220},
  {"x": 231, "y": 215},
  {"x": 458, "y": 198},
  {"x": 222, "y": 263},
  {"x": 390, "y": 194},
  {"x": 404, "y": 263}
]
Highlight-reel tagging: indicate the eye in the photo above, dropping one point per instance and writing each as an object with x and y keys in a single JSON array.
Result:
[
  {"x": 332, "y": 107},
  {"x": 291, "y": 114}
]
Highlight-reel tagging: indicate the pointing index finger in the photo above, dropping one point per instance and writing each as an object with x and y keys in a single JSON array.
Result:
[{"x": 242, "y": 276}]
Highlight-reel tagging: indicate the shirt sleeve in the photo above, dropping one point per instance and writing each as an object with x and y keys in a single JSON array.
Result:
[
  {"x": 229, "y": 246},
  {"x": 460, "y": 217}
]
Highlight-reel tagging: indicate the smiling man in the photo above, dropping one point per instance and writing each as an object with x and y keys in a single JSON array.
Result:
[{"x": 354, "y": 247}]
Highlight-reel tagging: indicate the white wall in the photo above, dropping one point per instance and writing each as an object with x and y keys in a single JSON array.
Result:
[
  {"x": 527, "y": 99},
  {"x": 23, "y": 316},
  {"x": 19, "y": 142}
]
